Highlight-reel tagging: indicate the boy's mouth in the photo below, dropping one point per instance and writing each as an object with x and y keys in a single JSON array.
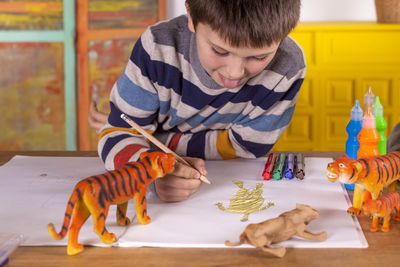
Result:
[{"x": 229, "y": 83}]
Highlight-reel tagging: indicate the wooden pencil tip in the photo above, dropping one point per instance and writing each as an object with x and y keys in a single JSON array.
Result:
[{"x": 204, "y": 179}]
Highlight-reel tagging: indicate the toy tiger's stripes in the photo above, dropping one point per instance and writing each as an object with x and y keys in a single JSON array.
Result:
[
  {"x": 94, "y": 195},
  {"x": 390, "y": 201},
  {"x": 386, "y": 165},
  {"x": 383, "y": 208},
  {"x": 371, "y": 174}
]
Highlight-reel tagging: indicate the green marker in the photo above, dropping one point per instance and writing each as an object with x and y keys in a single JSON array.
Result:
[
  {"x": 381, "y": 125},
  {"x": 279, "y": 165}
]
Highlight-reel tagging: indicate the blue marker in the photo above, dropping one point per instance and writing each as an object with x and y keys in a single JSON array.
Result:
[
  {"x": 353, "y": 128},
  {"x": 8, "y": 243},
  {"x": 4, "y": 262},
  {"x": 289, "y": 166}
]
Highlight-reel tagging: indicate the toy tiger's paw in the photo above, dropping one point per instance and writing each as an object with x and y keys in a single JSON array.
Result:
[
  {"x": 353, "y": 211},
  {"x": 385, "y": 229},
  {"x": 108, "y": 238},
  {"x": 321, "y": 236},
  {"x": 374, "y": 229},
  {"x": 123, "y": 221},
  {"x": 146, "y": 219},
  {"x": 74, "y": 249}
]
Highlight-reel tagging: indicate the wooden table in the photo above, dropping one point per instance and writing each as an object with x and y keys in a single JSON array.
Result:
[{"x": 383, "y": 250}]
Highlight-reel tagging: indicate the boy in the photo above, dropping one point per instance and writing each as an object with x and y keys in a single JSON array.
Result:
[
  {"x": 219, "y": 83},
  {"x": 393, "y": 142}
]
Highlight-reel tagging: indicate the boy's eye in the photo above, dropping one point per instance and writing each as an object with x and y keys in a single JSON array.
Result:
[
  {"x": 219, "y": 52},
  {"x": 260, "y": 58}
]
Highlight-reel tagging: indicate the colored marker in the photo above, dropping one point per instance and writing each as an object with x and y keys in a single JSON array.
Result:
[
  {"x": 289, "y": 166},
  {"x": 299, "y": 166},
  {"x": 279, "y": 165},
  {"x": 4, "y": 262},
  {"x": 269, "y": 166}
]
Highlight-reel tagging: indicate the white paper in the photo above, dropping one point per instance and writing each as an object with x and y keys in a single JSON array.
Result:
[{"x": 34, "y": 192}]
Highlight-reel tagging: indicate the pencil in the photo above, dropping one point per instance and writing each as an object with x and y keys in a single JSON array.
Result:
[{"x": 159, "y": 144}]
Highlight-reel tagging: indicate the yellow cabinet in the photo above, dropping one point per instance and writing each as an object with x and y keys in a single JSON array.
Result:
[{"x": 343, "y": 60}]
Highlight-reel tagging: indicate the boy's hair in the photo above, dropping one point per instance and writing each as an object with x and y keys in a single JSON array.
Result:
[{"x": 253, "y": 23}]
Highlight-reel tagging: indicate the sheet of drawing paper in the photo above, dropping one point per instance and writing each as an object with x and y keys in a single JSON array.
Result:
[{"x": 34, "y": 191}]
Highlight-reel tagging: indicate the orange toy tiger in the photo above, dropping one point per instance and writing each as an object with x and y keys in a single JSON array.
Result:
[
  {"x": 370, "y": 174},
  {"x": 94, "y": 195},
  {"x": 383, "y": 208}
]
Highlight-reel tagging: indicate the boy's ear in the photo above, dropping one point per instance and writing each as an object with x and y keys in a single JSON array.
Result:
[{"x": 190, "y": 21}]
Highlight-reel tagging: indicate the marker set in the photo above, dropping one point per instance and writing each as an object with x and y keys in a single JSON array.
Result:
[{"x": 284, "y": 165}]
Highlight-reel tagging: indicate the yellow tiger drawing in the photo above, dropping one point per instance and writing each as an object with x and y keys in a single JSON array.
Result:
[
  {"x": 94, "y": 195},
  {"x": 371, "y": 174}
]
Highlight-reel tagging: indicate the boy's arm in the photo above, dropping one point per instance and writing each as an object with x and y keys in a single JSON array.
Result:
[{"x": 133, "y": 94}]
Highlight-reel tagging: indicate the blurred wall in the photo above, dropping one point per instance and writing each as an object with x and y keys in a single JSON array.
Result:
[{"x": 312, "y": 10}]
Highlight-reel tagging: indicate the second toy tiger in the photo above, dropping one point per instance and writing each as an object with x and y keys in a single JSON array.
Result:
[
  {"x": 383, "y": 207},
  {"x": 94, "y": 195},
  {"x": 370, "y": 174}
]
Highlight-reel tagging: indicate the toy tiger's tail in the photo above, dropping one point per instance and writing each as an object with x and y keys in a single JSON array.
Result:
[
  {"x": 76, "y": 194},
  {"x": 241, "y": 241}
]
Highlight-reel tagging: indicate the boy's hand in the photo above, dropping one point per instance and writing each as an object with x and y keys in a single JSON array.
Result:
[
  {"x": 182, "y": 182},
  {"x": 96, "y": 118}
]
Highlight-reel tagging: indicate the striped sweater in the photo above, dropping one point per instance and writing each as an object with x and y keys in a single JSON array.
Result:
[
  {"x": 165, "y": 89},
  {"x": 393, "y": 142}
]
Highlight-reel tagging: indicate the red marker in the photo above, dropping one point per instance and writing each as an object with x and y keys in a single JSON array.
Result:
[{"x": 269, "y": 166}]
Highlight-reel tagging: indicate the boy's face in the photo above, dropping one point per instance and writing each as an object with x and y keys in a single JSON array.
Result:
[{"x": 229, "y": 66}]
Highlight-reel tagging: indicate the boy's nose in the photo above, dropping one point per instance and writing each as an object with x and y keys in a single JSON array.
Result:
[{"x": 236, "y": 69}]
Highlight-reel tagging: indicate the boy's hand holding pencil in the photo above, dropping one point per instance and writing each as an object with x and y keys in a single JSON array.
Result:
[
  {"x": 200, "y": 171},
  {"x": 184, "y": 181}
]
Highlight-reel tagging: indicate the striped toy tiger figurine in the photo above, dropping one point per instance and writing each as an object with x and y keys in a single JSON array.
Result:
[
  {"x": 370, "y": 174},
  {"x": 382, "y": 208},
  {"x": 94, "y": 195}
]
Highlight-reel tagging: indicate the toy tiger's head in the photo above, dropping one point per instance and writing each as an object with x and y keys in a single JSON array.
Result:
[
  {"x": 307, "y": 212},
  {"x": 161, "y": 163},
  {"x": 345, "y": 169},
  {"x": 371, "y": 207}
]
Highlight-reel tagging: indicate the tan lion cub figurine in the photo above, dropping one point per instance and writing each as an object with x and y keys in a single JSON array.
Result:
[{"x": 279, "y": 229}]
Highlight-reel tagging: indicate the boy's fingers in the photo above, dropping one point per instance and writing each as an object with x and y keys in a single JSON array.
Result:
[
  {"x": 94, "y": 124},
  {"x": 172, "y": 181},
  {"x": 184, "y": 171},
  {"x": 96, "y": 119},
  {"x": 96, "y": 114},
  {"x": 198, "y": 164},
  {"x": 173, "y": 189}
]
